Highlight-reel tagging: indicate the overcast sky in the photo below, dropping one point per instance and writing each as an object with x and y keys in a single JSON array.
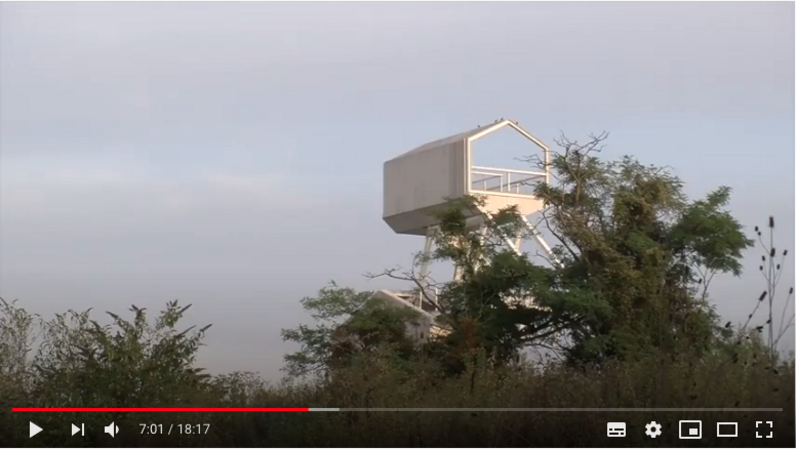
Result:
[{"x": 230, "y": 155}]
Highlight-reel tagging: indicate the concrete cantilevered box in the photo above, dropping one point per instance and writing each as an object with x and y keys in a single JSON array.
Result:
[{"x": 422, "y": 181}]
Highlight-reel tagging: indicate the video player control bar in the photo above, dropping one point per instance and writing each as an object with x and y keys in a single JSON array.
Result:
[{"x": 310, "y": 409}]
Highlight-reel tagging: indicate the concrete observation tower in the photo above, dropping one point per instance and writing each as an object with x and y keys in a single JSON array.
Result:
[{"x": 425, "y": 180}]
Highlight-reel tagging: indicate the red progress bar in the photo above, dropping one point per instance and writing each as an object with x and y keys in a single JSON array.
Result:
[{"x": 160, "y": 409}]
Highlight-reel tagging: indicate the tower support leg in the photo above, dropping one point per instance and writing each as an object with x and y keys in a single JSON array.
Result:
[
  {"x": 429, "y": 245},
  {"x": 431, "y": 233},
  {"x": 541, "y": 241}
]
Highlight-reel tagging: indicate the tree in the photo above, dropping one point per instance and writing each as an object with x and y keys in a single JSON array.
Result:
[
  {"x": 347, "y": 324},
  {"x": 501, "y": 302},
  {"x": 630, "y": 235},
  {"x": 636, "y": 257}
]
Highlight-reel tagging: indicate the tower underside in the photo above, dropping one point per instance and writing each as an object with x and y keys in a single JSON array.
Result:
[{"x": 417, "y": 221}]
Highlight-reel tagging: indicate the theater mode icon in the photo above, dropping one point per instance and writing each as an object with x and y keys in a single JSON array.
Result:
[
  {"x": 617, "y": 429},
  {"x": 727, "y": 429}
]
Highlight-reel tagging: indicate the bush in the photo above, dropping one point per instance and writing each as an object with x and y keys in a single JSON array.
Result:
[{"x": 78, "y": 363}]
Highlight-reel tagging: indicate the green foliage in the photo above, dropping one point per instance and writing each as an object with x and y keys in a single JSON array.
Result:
[
  {"x": 348, "y": 324},
  {"x": 630, "y": 237},
  {"x": 502, "y": 302},
  {"x": 73, "y": 360},
  {"x": 123, "y": 364},
  {"x": 17, "y": 335},
  {"x": 749, "y": 379}
]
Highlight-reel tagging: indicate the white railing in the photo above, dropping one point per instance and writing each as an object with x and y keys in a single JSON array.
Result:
[
  {"x": 490, "y": 180},
  {"x": 414, "y": 297}
]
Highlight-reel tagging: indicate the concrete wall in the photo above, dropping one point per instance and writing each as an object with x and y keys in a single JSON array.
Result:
[
  {"x": 420, "y": 182},
  {"x": 420, "y": 329},
  {"x": 424, "y": 179}
]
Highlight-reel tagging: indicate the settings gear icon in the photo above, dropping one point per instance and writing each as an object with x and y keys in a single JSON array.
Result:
[{"x": 653, "y": 430}]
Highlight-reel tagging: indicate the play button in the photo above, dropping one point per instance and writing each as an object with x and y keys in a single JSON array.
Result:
[{"x": 34, "y": 430}]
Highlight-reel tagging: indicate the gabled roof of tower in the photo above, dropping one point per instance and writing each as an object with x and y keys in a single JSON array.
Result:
[{"x": 474, "y": 134}]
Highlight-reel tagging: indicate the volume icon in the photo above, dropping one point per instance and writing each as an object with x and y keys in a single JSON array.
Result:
[
  {"x": 112, "y": 429},
  {"x": 81, "y": 429}
]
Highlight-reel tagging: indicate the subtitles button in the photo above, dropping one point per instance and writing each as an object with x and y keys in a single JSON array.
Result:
[{"x": 617, "y": 429}]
